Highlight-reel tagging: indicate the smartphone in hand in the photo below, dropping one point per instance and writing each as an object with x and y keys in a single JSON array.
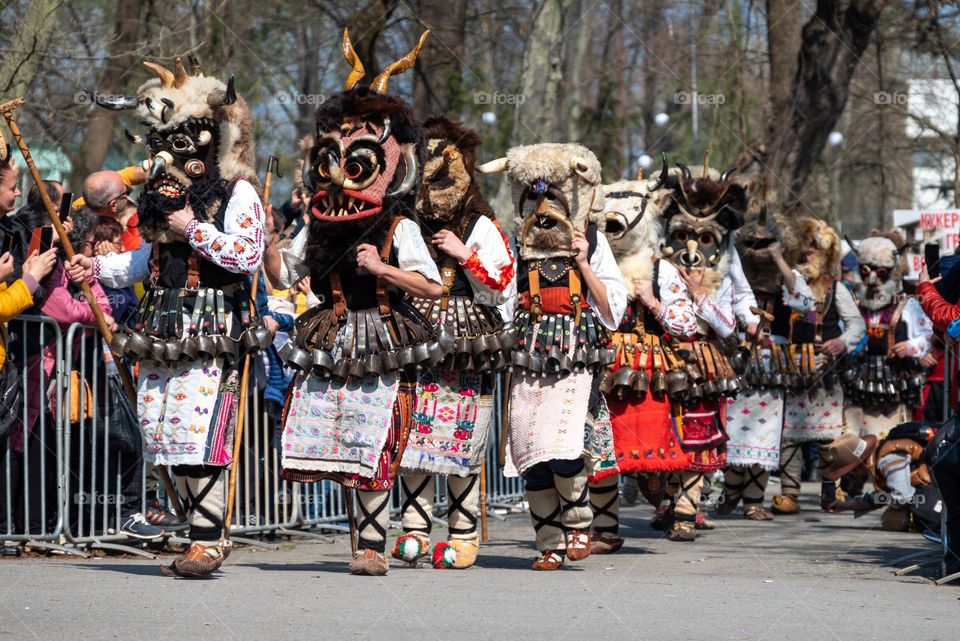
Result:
[{"x": 931, "y": 257}]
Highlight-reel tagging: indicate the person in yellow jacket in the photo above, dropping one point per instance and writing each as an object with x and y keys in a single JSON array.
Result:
[{"x": 18, "y": 295}]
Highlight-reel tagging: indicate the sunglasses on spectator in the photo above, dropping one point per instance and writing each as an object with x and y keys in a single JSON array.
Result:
[{"x": 126, "y": 194}]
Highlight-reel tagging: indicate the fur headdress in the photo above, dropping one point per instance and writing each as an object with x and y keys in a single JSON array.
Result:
[
  {"x": 450, "y": 196},
  {"x": 634, "y": 227},
  {"x": 882, "y": 267},
  {"x": 556, "y": 189},
  {"x": 200, "y": 138},
  {"x": 700, "y": 217},
  {"x": 822, "y": 267},
  {"x": 363, "y": 167}
]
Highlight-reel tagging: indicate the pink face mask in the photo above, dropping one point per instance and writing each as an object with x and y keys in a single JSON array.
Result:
[{"x": 352, "y": 169}]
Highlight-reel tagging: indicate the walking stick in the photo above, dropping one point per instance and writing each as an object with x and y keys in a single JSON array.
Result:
[
  {"x": 7, "y": 110},
  {"x": 244, "y": 381},
  {"x": 504, "y": 418},
  {"x": 348, "y": 497},
  {"x": 484, "y": 532}
]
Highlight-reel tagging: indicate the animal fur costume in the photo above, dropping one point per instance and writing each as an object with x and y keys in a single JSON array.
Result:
[
  {"x": 357, "y": 352},
  {"x": 700, "y": 215},
  {"x": 562, "y": 341},
  {"x": 455, "y": 398},
  {"x": 755, "y": 416},
  {"x": 644, "y": 435},
  {"x": 814, "y": 408},
  {"x": 884, "y": 386},
  {"x": 201, "y": 141}
]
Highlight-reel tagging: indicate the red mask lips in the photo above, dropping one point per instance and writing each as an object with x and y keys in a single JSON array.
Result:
[{"x": 343, "y": 206}]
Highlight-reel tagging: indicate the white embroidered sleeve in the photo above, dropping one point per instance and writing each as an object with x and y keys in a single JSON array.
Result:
[
  {"x": 717, "y": 310},
  {"x": 743, "y": 297},
  {"x": 604, "y": 265},
  {"x": 919, "y": 329},
  {"x": 490, "y": 269},
  {"x": 239, "y": 247},
  {"x": 292, "y": 267},
  {"x": 854, "y": 327},
  {"x": 801, "y": 298},
  {"x": 412, "y": 252},
  {"x": 677, "y": 315},
  {"x": 125, "y": 269}
]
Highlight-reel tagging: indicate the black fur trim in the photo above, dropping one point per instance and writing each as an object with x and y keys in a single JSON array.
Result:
[{"x": 365, "y": 104}]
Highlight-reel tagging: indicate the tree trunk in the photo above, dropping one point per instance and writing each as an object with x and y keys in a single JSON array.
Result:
[
  {"x": 437, "y": 85},
  {"x": 120, "y": 65},
  {"x": 832, "y": 42}
]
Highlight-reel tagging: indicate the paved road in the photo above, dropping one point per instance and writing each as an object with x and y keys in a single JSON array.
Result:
[{"x": 808, "y": 578}]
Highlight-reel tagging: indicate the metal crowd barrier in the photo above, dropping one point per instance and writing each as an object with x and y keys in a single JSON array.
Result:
[{"x": 70, "y": 489}]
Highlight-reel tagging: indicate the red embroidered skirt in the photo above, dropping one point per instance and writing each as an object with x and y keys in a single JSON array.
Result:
[
  {"x": 702, "y": 436},
  {"x": 644, "y": 437}
]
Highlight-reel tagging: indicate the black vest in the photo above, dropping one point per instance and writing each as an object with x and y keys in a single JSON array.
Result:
[
  {"x": 523, "y": 275},
  {"x": 806, "y": 332},
  {"x": 359, "y": 290}
]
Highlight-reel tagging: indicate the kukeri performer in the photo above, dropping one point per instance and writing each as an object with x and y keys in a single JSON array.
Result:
[
  {"x": 202, "y": 221},
  {"x": 700, "y": 215},
  {"x": 454, "y": 405},
  {"x": 569, "y": 295},
  {"x": 755, "y": 416},
  {"x": 813, "y": 409},
  {"x": 887, "y": 376},
  {"x": 357, "y": 352},
  {"x": 644, "y": 436}
]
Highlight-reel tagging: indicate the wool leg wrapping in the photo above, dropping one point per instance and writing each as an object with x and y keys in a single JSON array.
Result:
[
  {"x": 463, "y": 506},
  {"x": 545, "y": 515},
  {"x": 791, "y": 467},
  {"x": 688, "y": 498},
  {"x": 418, "y": 494},
  {"x": 734, "y": 480},
  {"x": 574, "y": 500},
  {"x": 605, "y": 505},
  {"x": 755, "y": 484},
  {"x": 203, "y": 489},
  {"x": 374, "y": 519}
]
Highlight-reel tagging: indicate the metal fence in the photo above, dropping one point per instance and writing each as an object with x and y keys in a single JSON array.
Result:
[{"x": 66, "y": 487}]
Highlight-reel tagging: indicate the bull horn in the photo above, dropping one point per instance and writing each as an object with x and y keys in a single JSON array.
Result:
[
  {"x": 379, "y": 84},
  {"x": 223, "y": 98},
  {"x": 194, "y": 66},
  {"x": 727, "y": 174},
  {"x": 685, "y": 170},
  {"x": 160, "y": 161},
  {"x": 386, "y": 130},
  {"x": 692, "y": 250},
  {"x": 114, "y": 103},
  {"x": 167, "y": 104},
  {"x": 358, "y": 71},
  {"x": 165, "y": 75},
  {"x": 762, "y": 218},
  {"x": 409, "y": 178},
  {"x": 179, "y": 73},
  {"x": 664, "y": 173},
  {"x": 493, "y": 166}
]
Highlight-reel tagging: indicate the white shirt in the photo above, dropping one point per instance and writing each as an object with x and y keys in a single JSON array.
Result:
[{"x": 412, "y": 255}]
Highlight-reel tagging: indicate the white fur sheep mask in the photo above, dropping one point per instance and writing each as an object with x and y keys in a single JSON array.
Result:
[{"x": 556, "y": 190}]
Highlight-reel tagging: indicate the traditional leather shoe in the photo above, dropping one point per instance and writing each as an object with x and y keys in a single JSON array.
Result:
[
  {"x": 663, "y": 519},
  {"x": 369, "y": 563},
  {"x": 757, "y": 513},
  {"x": 785, "y": 504},
  {"x": 605, "y": 543},
  {"x": 467, "y": 550},
  {"x": 547, "y": 562},
  {"x": 683, "y": 531},
  {"x": 199, "y": 561},
  {"x": 578, "y": 544}
]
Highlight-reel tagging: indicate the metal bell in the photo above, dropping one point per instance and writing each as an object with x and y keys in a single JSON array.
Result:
[
  {"x": 119, "y": 343},
  {"x": 226, "y": 346},
  {"x": 248, "y": 342},
  {"x": 676, "y": 382},
  {"x": 710, "y": 389},
  {"x": 206, "y": 347},
  {"x": 623, "y": 377},
  {"x": 445, "y": 338},
  {"x": 521, "y": 359},
  {"x": 171, "y": 351},
  {"x": 593, "y": 356},
  {"x": 139, "y": 346},
  {"x": 608, "y": 355},
  {"x": 356, "y": 369},
  {"x": 658, "y": 383},
  {"x": 322, "y": 361},
  {"x": 606, "y": 381},
  {"x": 436, "y": 353},
  {"x": 157, "y": 352},
  {"x": 463, "y": 346},
  {"x": 553, "y": 360},
  {"x": 421, "y": 353},
  {"x": 371, "y": 363},
  {"x": 695, "y": 393},
  {"x": 405, "y": 357},
  {"x": 536, "y": 364},
  {"x": 694, "y": 372},
  {"x": 641, "y": 382},
  {"x": 341, "y": 368},
  {"x": 388, "y": 362},
  {"x": 188, "y": 349},
  {"x": 579, "y": 357},
  {"x": 508, "y": 336}
]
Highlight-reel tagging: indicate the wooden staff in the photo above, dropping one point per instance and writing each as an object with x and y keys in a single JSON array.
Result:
[
  {"x": 245, "y": 379},
  {"x": 484, "y": 532},
  {"x": 7, "y": 110}
]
